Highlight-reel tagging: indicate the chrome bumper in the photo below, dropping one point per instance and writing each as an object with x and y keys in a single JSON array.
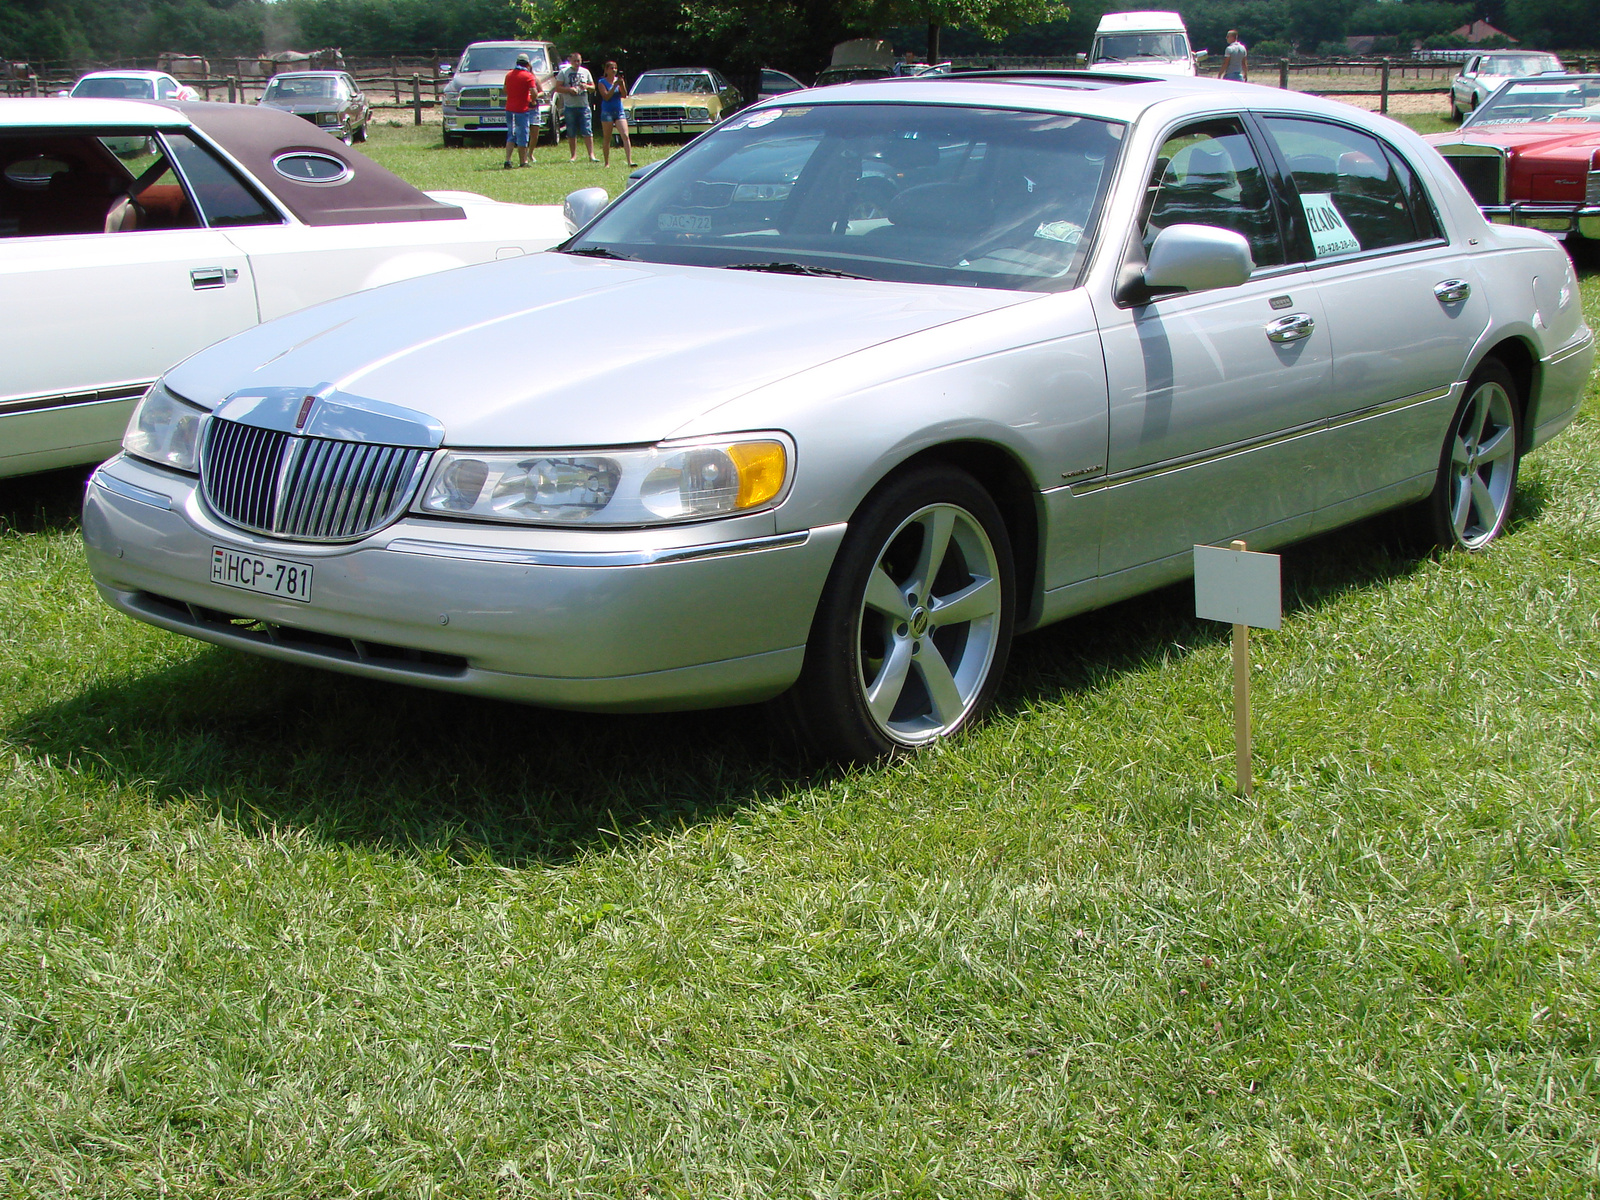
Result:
[
  {"x": 635, "y": 620},
  {"x": 1582, "y": 219}
]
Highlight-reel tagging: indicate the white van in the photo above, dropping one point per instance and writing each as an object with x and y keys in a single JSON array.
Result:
[{"x": 1147, "y": 42}]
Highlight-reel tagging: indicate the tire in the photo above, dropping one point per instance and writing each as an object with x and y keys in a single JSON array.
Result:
[
  {"x": 361, "y": 133},
  {"x": 882, "y": 672},
  {"x": 1475, "y": 490},
  {"x": 452, "y": 141}
]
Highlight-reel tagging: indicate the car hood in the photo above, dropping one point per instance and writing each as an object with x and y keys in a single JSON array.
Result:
[
  {"x": 1524, "y": 139},
  {"x": 556, "y": 350},
  {"x": 702, "y": 99},
  {"x": 306, "y": 105}
]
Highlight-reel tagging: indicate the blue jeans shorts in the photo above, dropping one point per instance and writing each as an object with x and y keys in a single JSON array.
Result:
[
  {"x": 579, "y": 121},
  {"x": 517, "y": 128}
]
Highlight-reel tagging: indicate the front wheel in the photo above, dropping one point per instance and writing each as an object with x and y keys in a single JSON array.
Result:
[
  {"x": 914, "y": 627},
  {"x": 1476, "y": 486}
]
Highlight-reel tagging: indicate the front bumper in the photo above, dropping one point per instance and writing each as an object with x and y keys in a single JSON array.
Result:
[
  {"x": 1561, "y": 219},
  {"x": 667, "y": 126},
  {"x": 628, "y": 620}
]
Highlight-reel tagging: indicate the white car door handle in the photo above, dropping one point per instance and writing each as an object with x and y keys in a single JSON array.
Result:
[
  {"x": 202, "y": 278},
  {"x": 1452, "y": 291},
  {"x": 1292, "y": 328}
]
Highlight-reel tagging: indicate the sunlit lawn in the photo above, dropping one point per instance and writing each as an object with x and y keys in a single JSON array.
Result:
[{"x": 270, "y": 931}]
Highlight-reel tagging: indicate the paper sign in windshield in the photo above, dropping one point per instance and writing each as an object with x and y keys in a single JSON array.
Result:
[{"x": 1329, "y": 233}]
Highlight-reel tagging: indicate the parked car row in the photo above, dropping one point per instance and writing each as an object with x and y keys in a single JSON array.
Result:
[{"x": 989, "y": 350}]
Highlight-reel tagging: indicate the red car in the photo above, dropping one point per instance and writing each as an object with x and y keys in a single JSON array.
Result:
[{"x": 1530, "y": 154}]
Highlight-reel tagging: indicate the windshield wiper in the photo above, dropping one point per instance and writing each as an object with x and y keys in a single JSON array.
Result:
[
  {"x": 793, "y": 268},
  {"x": 601, "y": 252}
]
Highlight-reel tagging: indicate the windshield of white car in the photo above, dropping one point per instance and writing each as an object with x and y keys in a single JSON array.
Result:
[
  {"x": 282, "y": 90},
  {"x": 116, "y": 89},
  {"x": 1539, "y": 99},
  {"x": 650, "y": 82},
  {"x": 1528, "y": 64},
  {"x": 900, "y": 192},
  {"x": 503, "y": 58},
  {"x": 1125, "y": 47}
]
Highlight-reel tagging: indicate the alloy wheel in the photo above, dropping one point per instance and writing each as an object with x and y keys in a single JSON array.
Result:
[
  {"x": 929, "y": 625},
  {"x": 1483, "y": 457}
]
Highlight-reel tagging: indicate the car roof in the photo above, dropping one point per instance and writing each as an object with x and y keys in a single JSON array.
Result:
[
  {"x": 1141, "y": 22},
  {"x": 254, "y": 136},
  {"x": 310, "y": 74},
  {"x": 129, "y": 74},
  {"x": 677, "y": 71},
  {"x": 88, "y": 111}
]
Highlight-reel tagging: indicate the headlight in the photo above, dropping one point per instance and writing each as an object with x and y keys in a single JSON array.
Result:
[
  {"x": 699, "y": 114},
  {"x": 165, "y": 430},
  {"x": 610, "y": 487},
  {"x": 327, "y": 118}
]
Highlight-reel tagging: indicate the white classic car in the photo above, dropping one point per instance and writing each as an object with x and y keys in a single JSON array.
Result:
[
  {"x": 989, "y": 350},
  {"x": 113, "y": 269}
]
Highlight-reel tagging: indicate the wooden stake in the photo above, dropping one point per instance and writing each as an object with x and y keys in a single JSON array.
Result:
[{"x": 1241, "y": 704}]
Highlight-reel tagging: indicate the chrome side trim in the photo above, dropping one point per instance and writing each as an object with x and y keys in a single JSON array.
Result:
[
  {"x": 121, "y": 391},
  {"x": 1571, "y": 350},
  {"x": 129, "y": 491},
  {"x": 1205, "y": 457},
  {"x": 598, "y": 558}
]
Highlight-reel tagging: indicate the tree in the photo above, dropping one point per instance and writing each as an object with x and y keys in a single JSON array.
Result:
[{"x": 992, "y": 18}]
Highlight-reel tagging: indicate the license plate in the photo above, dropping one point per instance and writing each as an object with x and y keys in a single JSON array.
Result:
[
  {"x": 491, "y": 120},
  {"x": 257, "y": 573}
]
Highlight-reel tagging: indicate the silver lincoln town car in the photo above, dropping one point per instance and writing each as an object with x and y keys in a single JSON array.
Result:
[{"x": 848, "y": 392}]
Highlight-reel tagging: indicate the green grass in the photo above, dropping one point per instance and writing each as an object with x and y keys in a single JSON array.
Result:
[
  {"x": 266, "y": 931},
  {"x": 417, "y": 153}
]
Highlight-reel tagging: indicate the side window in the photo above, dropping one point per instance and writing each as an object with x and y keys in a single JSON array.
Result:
[
  {"x": 52, "y": 185},
  {"x": 1208, "y": 174},
  {"x": 165, "y": 90},
  {"x": 1352, "y": 194},
  {"x": 221, "y": 195}
]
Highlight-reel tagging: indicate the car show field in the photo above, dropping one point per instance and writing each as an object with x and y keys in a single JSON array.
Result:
[{"x": 272, "y": 931}]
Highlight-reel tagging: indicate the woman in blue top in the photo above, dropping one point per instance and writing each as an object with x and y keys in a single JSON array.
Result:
[{"x": 612, "y": 88}]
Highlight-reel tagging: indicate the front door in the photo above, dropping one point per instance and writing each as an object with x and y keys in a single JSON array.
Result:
[{"x": 1216, "y": 397}]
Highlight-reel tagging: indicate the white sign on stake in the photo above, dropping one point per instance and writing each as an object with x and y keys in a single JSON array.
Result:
[{"x": 1242, "y": 589}]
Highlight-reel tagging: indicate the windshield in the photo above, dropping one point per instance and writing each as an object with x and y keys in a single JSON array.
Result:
[
  {"x": 1528, "y": 64},
  {"x": 116, "y": 89},
  {"x": 1543, "y": 99},
  {"x": 503, "y": 58},
  {"x": 305, "y": 87},
  {"x": 1125, "y": 47},
  {"x": 650, "y": 82},
  {"x": 968, "y": 196}
]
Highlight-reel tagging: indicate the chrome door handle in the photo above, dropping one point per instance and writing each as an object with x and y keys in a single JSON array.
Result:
[
  {"x": 202, "y": 278},
  {"x": 1452, "y": 291},
  {"x": 1292, "y": 328}
]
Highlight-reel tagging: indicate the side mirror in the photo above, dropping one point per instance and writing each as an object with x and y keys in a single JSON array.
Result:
[
  {"x": 641, "y": 171},
  {"x": 1197, "y": 258},
  {"x": 582, "y": 206}
]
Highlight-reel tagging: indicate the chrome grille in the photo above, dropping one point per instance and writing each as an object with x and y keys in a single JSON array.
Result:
[
  {"x": 658, "y": 113},
  {"x": 1591, "y": 188},
  {"x": 310, "y": 489},
  {"x": 482, "y": 97},
  {"x": 1481, "y": 174}
]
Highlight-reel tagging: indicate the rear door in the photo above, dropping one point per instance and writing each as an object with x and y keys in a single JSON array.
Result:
[{"x": 1404, "y": 307}]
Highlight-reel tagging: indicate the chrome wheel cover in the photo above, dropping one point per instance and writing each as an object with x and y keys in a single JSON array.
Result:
[
  {"x": 1483, "y": 461},
  {"x": 928, "y": 625}
]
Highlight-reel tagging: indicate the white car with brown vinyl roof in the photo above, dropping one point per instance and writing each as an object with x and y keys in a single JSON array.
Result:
[{"x": 113, "y": 269}]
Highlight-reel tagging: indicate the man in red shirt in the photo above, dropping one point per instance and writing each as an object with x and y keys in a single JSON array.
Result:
[{"x": 522, "y": 85}]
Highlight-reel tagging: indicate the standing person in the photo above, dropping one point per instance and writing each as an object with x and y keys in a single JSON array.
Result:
[
  {"x": 522, "y": 85},
  {"x": 573, "y": 84},
  {"x": 612, "y": 88},
  {"x": 1236, "y": 59}
]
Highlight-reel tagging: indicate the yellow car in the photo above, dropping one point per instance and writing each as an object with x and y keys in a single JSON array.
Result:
[{"x": 679, "y": 100}]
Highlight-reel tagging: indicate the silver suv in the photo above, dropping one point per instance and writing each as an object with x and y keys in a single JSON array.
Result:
[{"x": 474, "y": 99}]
